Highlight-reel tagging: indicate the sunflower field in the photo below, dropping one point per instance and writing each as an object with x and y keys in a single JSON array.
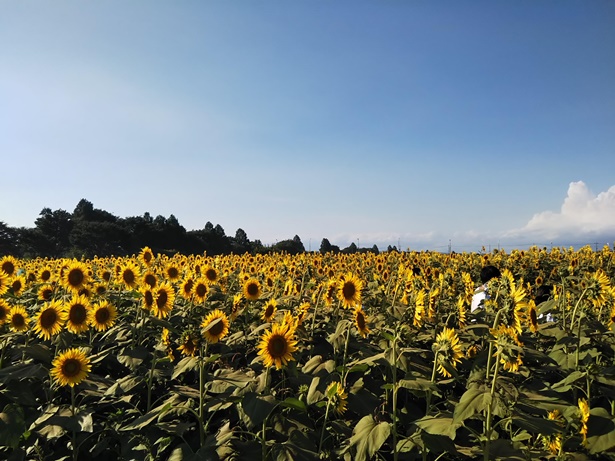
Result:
[{"x": 336, "y": 356}]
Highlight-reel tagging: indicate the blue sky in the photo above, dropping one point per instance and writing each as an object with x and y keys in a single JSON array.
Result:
[{"x": 388, "y": 122}]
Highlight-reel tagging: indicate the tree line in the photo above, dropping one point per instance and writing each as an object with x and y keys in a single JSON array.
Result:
[{"x": 89, "y": 232}]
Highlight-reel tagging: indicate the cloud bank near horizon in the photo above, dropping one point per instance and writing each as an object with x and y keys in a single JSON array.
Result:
[{"x": 584, "y": 218}]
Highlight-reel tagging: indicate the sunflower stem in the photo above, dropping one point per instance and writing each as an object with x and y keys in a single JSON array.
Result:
[
  {"x": 324, "y": 425},
  {"x": 578, "y": 351},
  {"x": 495, "y": 324},
  {"x": 394, "y": 412},
  {"x": 488, "y": 422},
  {"x": 150, "y": 378},
  {"x": 433, "y": 380},
  {"x": 346, "y": 349},
  {"x": 75, "y": 447},
  {"x": 574, "y": 311}
]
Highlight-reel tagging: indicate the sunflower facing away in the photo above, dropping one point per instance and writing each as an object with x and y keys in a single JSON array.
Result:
[
  {"x": 103, "y": 316},
  {"x": 277, "y": 346},
  {"x": 447, "y": 350},
  {"x": 349, "y": 290},
  {"x": 78, "y": 311},
  {"x": 508, "y": 347},
  {"x": 18, "y": 319},
  {"x": 71, "y": 367},
  {"x": 50, "y": 319},
  {"x": 189, "y": 343},
  {"x": 553, "y": 442},
  {"x": 584, "y": 412},
  {"x": 337, "y": 397},
  {"x": 215, "y": 326}
]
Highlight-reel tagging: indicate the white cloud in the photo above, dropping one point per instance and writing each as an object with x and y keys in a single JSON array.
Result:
[{"x": 583, "y": 216}]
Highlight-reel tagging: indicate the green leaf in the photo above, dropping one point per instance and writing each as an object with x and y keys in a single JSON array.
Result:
[
  {"x": 535, "y": 425},
  {"x": 473, "y": 401},
  {"x": 417, "y": 384},
  {"x": 295, "y": 404},
  {"x": 23, "y": 370},
  {"x": 600, "y": 431},
  {"x": 256, "y": 408},
  {"x": 133, "y": 357},
  {"x": 565, "y": 384},
  {"x": 12, "y": 425},
  {"x": 368, "y": 436},
  {"x": 184, "y": 365},
  {"x": 439, "y": 425}
]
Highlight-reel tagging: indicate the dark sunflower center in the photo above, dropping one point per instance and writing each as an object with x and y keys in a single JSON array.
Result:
[
  {"x": 8, "y": 267},
  {"x": 349, "y": 290},
  {"x": 361, "y": 321},
  {"x": 16, "y": 285},
  {"x": 252, "y": 289},
  {"x": 48, "y": 318},
  {"x": 18, "y": 321},
  {"x": 128, "y": 276},
  {"x": 188, "y": 286},
  {"x": 78, "y": 314},
  {"x": 173, "y": 272},
  {"x": 102, "y": 315},
  {"x": 201, "y": 290},
  {"x": 277, "y": 346},
  {"x": 161, "y": 300},
  {"x": 211, "y": 274},
  {"x": 75, "y": 277},
  {"x": 218, "y": 328},
  {"x": 3, "y": 313},
  {"x": 533, "y": 317},
  {"x": 149, "y": 298},
  {"x": 106, "y": 276},
  {"x": 45, "y": 275},
  {"x": 46, "y": 294},
  {"x": 71, "y": 368},
  {"x": 269, "y": 310},
  {"x": 150, "y": 279},
  {"x": 147, "y": 257}
]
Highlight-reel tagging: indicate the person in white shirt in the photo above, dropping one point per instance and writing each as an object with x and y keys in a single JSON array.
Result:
[{"x": 480, "y": 294}]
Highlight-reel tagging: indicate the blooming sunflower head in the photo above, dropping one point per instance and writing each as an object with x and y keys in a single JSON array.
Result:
[
  {"x": 129, "y": 274},
  {"x": 277, "y": 346},
  {"x": 163, "y": 300},
  {"x": 50, "y": 319},
  {"x": 75, "y": 276},
  {"x": 4, "y": 283},
  {"x": 215, "y": 326},
  {"x": 18, "y": 285},
  {"x": 146, "y": 256},
  {"x": 18, "y": 319},
  {"x": 78, "y": 311},
  {"x": 360, "y": 321},
  {"x": 70, "y": 367},
  {"x": 200, "y": 290},
  {"x": 8, "y": 265},
  {"x": 103, "y": 315},
  {"x": 252, "y": 289},
  {"x": 349, "y": 290},
  {"x": 269, "y": 310}
]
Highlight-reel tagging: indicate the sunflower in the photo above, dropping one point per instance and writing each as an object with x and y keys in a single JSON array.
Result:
[
  {"x": 211, "y": 274},
  {"x": 277, "y": 346},
  {"x": 189, "y": 344},
  {"x": 8, "y": 265},
  {"x": 337, "y": 397},
  {"x": 18, "y": 319},
  {"x": 349, "y": 290},
  {"x": 302, "y": 311},
  {"x": 330, "y": 293},
  {"x": 269, "y": 310},
  {"x": 461, "y": 308},
  {"x": 252, "y": 289},
  {"x": 215, "y": 326},
  {"x": 598, "y": 285},
  {"x": 103, "y": 315},
  {"x": 553, "y": 442},
  {"x": 45, "y": 292},
  {"x": 200, "y": 290},
  {"x": 508, "y": 347},
  {"x": 360, "y": 320},
  {"x": 71, "y": 367},
  {"x": 584, "y": 412},
  {"x": 4, "y": 283},
  {"x": 447, "y": 350},
  {"x": 172, "y": 271},
  {"x": 532, "y": 317},
  {"x": 236, "y": 305},
  {"x": 78, "y": 312},
  {"x": 146, "y": 256},
  {"x": 148, "y": 298},
  {"x": 18, "y": 285},
  {"x": 45, "y": 274},
  {"x": 50, "y": 319},
  {"x": 129, "y": 274},
  {"x": 4, "y": 311},
  {"x": 149, "y": 279},
  {"x": 164, "y": 297},
  {"x": 75, "y": 276}
]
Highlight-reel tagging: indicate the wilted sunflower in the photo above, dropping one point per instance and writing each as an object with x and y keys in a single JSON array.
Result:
[
  {"x": 448, "y": 351},
  {"x": 75, "y": 276},
  {"x": 18, "y": 285},
  {"x": 129, "y": 274},
  {"x": 189, "y": 343},
  {"x": 337, "y": 397},
  {"x": 4, "y": 283},
  {"x": 200, "y": 290},
  {"x": 103, "y": 315},
  {"x": 277, "y": 346},
  {"x": 4, "y": 311},
  {"x": 252, "y": 289},
  {"x": 71, "y": 367},
  {"x": 215, "y": 326},
  {"x": 78, "y": 311},
  {"x": 146, "y": 256},
  {"x": 360, "y": 320},
  {"x": 8, "y": 265},
  {"x": 269, "y": 310},
  {"x": 50, "y": 319},
  {"x": 18, "y": 319},
  {"x": 349, "y": 290},
  {"x": 164, "y": 298}
]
